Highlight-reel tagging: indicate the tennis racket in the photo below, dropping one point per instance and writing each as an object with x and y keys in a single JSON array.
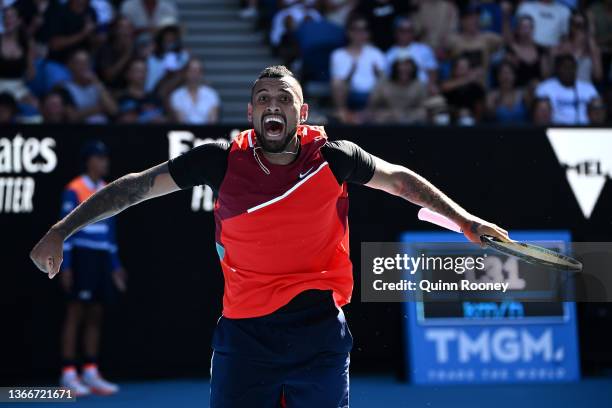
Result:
[{"x": 527, "y": 252}]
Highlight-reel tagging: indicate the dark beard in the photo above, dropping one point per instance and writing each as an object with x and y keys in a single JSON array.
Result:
[{"x": 276, "y": 147}]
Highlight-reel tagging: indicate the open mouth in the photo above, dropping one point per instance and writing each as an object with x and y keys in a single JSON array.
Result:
[{"x": 273, "y": 125}]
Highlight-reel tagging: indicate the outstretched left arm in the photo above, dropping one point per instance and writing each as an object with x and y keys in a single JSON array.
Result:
[{"x": 403, "y": 182}]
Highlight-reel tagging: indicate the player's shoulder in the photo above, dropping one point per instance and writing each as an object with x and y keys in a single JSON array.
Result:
[{"x": 340, "y": 147}]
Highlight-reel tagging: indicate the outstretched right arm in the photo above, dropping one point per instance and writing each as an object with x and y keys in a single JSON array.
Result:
[{"x": 122, "y": 193}]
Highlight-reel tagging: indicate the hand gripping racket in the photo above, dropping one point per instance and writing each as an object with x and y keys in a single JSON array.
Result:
[{"x": 529, "y": 253}]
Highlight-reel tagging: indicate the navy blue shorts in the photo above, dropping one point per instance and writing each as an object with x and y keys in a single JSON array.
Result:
[
  {"x": 92, "y": 276},
  {"x": 299, "y": 354}
]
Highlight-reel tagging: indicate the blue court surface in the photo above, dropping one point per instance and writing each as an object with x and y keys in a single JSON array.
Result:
[{"x": 381, "y": 391}]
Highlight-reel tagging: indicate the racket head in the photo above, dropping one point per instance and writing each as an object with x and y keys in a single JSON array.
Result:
[{"x": 533, "y": 254}]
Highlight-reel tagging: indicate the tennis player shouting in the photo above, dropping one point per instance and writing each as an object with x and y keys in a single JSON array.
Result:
[{"x": 282, "y": 240}]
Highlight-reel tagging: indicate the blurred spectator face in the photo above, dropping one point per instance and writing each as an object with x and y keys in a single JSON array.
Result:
[
  {"x": 406, "y": 70},
  {"x": 194, "y": 72},
  {"x": 98, "y": 166},
  {"x": 124, "y": 30},
  {"x": 11, "y": 20},
  {"x": 404, "y": 32},
  {"x": 577, "y": 23},
  {"x": 53, "y": 109},
  {"x": 144, "y": 46},
  {"x": 506, "y": 76},
  {"x": 524, "y": 28},
  {"x": 8, "y": 108},
  {"x": 78, "y": 6},
  {"x": 170, "y": 40},
  {"x": 461, "y": 68},
  {"x": 470, "y": 23},
  {"x": 80, "y": 67},
  {"x": 542, "y": 112},
  {"x": 358, "y": 32},
  {"x": 596, "y": 111},
  {"x": 566, "y": 70},
  {"x": 137, "y": 73}
]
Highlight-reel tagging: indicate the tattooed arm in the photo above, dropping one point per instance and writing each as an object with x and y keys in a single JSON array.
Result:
[
  {"x": 128, "y": 190},
  {"x": 405, "y": 183}
]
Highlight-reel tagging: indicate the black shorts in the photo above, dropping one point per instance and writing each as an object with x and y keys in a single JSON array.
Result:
[
  {"x": 298, "y": 354},
  {"x": 92, "y": 276}
]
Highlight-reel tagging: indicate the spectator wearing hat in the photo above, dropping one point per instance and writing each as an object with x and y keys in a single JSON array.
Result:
[
  {"x": 195, "y": 103},
  {"x": 91, "y": 100},
  {"x": 422, "y": 54},
  {"x": 150, "y": 15},
  {"x": 551, "y": 20},
  {"x": 568, "y": 95},
  {"x": 400, "y": 98},
  {"x": 91, "y": 277}
]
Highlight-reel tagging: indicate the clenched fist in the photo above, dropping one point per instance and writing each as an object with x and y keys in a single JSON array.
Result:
[{"x": 48, "y": 254}]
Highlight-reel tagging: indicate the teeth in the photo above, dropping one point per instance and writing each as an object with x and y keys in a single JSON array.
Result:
[{"x": 269, "y": 119}]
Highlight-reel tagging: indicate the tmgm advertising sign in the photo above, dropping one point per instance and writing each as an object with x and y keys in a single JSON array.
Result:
[{"x": 507, "y": 341}]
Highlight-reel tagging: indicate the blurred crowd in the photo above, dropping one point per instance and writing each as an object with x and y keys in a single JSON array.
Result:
[
  {"x": 447, "y": 62},
  {"x": 99, "y": 61},
  {"x": 361, "y": 61}
]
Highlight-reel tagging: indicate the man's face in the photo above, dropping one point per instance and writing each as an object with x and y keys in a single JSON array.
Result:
[
  {"x": 404, "y": 33},
  {"x": 98, "y": 165},
  {"x": 79, "y": 65},
  {"x": 567, "y": 72},
  {"x": 276, "y": 110}
]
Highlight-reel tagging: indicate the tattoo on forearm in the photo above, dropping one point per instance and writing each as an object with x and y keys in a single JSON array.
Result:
[
  {"x": 112, "y": 199},
  {"x": 416, "y": 189}
]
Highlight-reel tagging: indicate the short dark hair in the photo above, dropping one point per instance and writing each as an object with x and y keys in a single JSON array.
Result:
[
  {"x": 395, "y": 69},
  {"x": 274, "y": 71}
]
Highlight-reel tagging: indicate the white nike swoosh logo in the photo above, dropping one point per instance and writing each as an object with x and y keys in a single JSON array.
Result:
[{"x": 302, "y": 175}]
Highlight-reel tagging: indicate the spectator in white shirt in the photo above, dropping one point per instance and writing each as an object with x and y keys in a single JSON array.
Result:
[
  {"x": 568, "y": 96},
  {"x": 355, "y": 70},
  {"x": 195, "y": 103},
  {"x": 551, "y": 20},
  {"x": 149, "y": 15},
  {"x": 406, "y": 46}
]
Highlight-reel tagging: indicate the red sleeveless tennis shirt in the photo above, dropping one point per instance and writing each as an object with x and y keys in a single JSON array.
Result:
[{"x": 281, "y": 233}]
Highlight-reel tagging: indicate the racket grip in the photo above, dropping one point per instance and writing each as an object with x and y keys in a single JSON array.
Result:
[{"x": 426, "y": 214}]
